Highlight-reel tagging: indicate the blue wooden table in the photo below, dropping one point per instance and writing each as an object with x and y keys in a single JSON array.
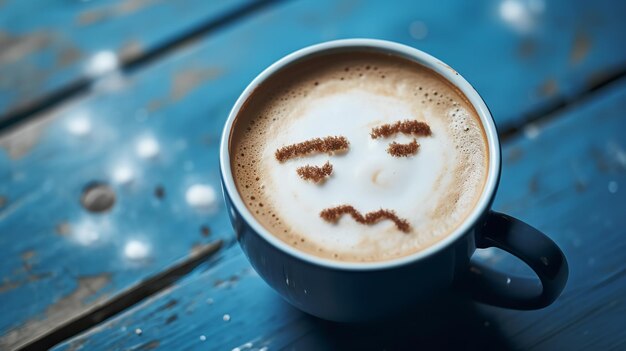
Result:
[{"x": 112, "y": 230}]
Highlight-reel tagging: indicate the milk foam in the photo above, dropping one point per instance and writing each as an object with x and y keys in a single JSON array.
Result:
[{"x": 433, "y": 189}]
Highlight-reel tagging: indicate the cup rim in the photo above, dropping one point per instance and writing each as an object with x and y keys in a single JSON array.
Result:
[{"x": 383, "y": 46}]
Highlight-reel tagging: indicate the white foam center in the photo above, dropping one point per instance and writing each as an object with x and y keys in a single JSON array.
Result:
[{"x": 366, "y": 177}]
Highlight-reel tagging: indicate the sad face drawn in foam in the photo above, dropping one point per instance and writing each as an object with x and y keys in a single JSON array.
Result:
[
  {"x": 340, "y": 144},
  {"x": 369, "y": 158}
]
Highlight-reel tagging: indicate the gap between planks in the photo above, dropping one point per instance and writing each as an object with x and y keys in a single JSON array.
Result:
[
  {"x": 552, "y": 109},
  {"x": 82, "y": 84},
  {"x": 123, "y": 300}
]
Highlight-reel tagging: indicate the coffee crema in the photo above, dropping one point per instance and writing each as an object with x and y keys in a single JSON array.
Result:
[{"x": 407, "y": 164}]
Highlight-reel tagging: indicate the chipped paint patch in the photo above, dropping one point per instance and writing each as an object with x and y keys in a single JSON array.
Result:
[
  {"x": 20, "y": 141},
  {"x": 131, "y": 49},
  {"x": 533, "y": 185},
  {"x": 527, "y": 48},
  {"x": 228, "y": 283},
  {"x": 186, "y": 81},
  {"x": 150, "y": 345},
  {"x": 30, "y": 278},
  {"x": 63, "y": 229},
  {"x": 27, "y": 257},
  {"x": 60, "y": 312},
  {"x": 76, "y": 345},
  {"x": 514, "y": 154},
  {"x": 18, "y": 73},
  {"x": 66, "y": 56},
  {"x": 15, "y": 47},
  {"x": 155, "y": 105},
  {"x": 549, "y": 88},
  {"x": 580, "y": 48},
  {"x": 93, "y": 16},
  {"x": 131, "y": 6}
]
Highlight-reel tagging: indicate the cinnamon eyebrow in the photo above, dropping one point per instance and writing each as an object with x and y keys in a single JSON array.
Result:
[
  {"x": 403, "y": 150},
  {"x": 334, "y": 213},
  {"x": 311, "y": 146},
  {"x": 315, "y": 173},
  {"x": 409, "y": 127}
]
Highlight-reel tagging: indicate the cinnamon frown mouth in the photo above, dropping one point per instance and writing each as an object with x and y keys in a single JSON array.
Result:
[{"x": 333, "y": 214}]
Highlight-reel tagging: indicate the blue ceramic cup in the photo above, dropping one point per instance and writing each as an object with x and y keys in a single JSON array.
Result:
[{"x": 350, "y": 292}]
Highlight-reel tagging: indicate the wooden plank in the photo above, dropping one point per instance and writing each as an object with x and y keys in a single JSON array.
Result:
[
  {"x": 551, "y": 51},
  {"x": 566, "y": 179},
  {"x": 55, "y": 45},
  {"x": 179, "y": 104}
]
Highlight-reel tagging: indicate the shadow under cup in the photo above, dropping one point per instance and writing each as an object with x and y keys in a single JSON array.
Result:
[{"x": 357, "y": 292}]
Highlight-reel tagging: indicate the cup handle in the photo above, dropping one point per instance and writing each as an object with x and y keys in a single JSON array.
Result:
[{"x": 531, "y": 246}]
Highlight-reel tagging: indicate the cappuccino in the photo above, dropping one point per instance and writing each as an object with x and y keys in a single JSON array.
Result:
[{"x": 358, "y": 156}]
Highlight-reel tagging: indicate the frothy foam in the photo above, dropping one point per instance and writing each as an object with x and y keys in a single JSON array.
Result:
[{"x": 348, "y": 95}]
